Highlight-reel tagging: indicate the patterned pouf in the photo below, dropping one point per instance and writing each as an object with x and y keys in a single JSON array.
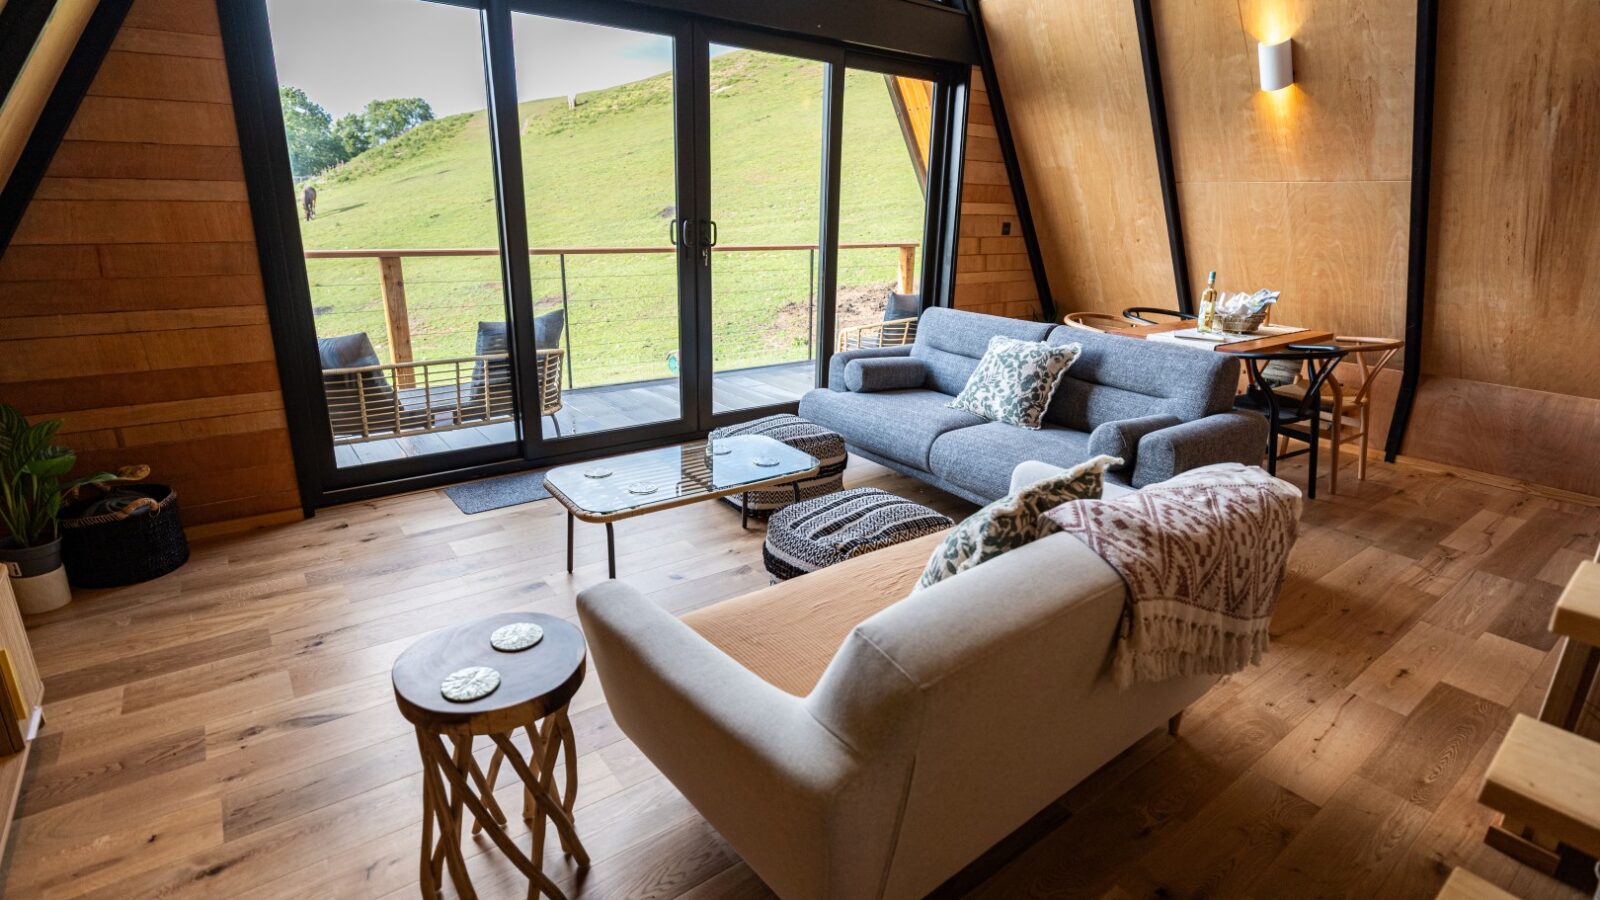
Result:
[
  {"x": 816, "y": 533},
  {"x": 805, "y": 436}
]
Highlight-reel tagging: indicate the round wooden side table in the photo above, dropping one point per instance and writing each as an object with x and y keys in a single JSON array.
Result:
[{"x": 535, "y": 685}]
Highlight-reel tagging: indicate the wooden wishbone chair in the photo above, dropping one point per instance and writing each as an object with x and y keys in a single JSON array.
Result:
[
  {"x": 1349, "y": 413},
  {"x": 1096, "y": 321}
]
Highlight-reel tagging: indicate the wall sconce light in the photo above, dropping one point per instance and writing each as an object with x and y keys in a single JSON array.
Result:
[{"x": 1277, "y": 64}]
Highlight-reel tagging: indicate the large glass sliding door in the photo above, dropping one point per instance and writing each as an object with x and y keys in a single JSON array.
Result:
[
  {"x": 536, "y": 229},
  {"x": 391, "y": 165},
  {"x": 765, "y": 154},
  {"x": 597, "y": 123}
]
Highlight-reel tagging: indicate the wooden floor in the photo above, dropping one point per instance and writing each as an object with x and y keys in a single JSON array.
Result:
[
  {"x": 594, "y": 409},
  {"x": 229, "y": 731}
]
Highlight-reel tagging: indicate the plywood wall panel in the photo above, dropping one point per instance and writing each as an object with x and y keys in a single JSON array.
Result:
[
  {"x": 1075, "y": 95},
  {"x": 1514, "y": 293},
  {"x": 1346, "y": 118},
  {"x": 1304, "y": 190},
  {"x": 131, "y": 301}
]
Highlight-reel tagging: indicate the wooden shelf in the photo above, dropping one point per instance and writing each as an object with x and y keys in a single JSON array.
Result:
[
  {"x": 1577, "y": 613},
  {"x": 1549, "y": 779}
]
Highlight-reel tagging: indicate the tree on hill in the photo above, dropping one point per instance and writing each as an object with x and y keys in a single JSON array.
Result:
[
  {"x": 380, "y": 122},
  {"x": 312, "y": 145}
]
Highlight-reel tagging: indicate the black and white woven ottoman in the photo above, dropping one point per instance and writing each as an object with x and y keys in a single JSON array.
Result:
[
  {"x": 813, "y": 534},
  {"x": 805, "y": 436}
]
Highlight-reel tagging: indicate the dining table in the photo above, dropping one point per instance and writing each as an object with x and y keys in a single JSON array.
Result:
[{"x": 1267, "y": 339}]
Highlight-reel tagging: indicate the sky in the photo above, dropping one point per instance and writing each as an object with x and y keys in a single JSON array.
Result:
[{"x": 344, "y": 53}]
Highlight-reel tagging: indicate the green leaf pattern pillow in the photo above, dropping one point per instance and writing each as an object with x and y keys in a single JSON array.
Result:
[
  {"x": 1010, "y": 522},
  {"x": 1015, "y": 380}
]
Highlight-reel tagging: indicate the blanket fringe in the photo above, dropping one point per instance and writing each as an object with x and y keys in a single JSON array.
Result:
[{"x": 1172, "y": 646}]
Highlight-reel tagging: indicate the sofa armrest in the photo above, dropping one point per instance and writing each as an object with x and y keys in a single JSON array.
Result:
[
  {"x": 837, "y": 364},
  {"x": 1238, "y": 436},
  {"x": 723, "y": 737},
  {"x": 1121, "y": 438},
  {"x": 896, "y": 373}
]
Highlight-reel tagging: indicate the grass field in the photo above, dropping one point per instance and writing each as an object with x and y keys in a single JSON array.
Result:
[{"x": 601, "y": 175}]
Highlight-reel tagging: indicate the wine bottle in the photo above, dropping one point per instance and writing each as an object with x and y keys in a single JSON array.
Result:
[{"x": 1208, "y": 303}]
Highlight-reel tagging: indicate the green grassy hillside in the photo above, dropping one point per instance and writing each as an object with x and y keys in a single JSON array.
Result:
[{"x": 601, "y": 175}]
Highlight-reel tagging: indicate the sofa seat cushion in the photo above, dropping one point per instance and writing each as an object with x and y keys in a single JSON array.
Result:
[
  {"x": 981, "y": 459},
  {"x": 788, "y": 633},
  {"x": 900, "y": 425}
]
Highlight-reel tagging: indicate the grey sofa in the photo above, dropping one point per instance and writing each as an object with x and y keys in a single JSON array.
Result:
[{"x": 1161, "y": 407}]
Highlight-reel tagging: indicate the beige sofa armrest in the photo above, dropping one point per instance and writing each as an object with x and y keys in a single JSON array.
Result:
[
  {"x": 1029, "y": 471},
  {"x": 783, "y": 790}
]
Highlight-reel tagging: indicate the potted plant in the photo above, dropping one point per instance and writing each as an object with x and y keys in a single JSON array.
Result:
[{"x": 33, "y": 485}]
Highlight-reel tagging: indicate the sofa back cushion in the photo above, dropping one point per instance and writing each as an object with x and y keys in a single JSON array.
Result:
[
  {"x": 1119, "y": 377},
  {"x": 950, "y": 342},
  {"x": 1015, "y": 648}
]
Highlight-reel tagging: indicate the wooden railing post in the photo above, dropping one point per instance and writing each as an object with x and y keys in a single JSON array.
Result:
[
  {"x": 397, "y": 318},
  {"x": 908, "y": 270}
]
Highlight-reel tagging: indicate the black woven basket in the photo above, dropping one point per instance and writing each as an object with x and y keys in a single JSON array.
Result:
[{"x": 104, "y": 551}]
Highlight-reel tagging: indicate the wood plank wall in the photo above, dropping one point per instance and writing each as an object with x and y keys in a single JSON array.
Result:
[
  {"x": 992, "y": 271},
  {"x": 1307, "y": 190},
  {"x": 131, "y": 301},
  {"x": 1075, "y": 95}
]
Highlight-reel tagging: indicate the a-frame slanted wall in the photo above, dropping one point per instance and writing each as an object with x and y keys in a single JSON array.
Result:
[{"x": 131, "y": 301}]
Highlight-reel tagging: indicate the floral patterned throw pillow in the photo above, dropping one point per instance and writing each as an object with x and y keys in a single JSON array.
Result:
[
  {"x": 1010, "y": 522},
  {"x": 1015, "y": 380}
]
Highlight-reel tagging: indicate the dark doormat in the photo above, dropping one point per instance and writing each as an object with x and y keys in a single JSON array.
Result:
[{"x": 498, "y": 493}]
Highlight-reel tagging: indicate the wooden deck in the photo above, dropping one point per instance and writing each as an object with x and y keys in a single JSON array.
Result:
[
  {"x": 230, "y": 730},
  {"x": 590, "y": 410}
]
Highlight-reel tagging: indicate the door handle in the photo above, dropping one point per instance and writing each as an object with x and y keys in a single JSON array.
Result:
[
  {"x": 672, "y": 231},
  {"x": 709, "y": 228}
]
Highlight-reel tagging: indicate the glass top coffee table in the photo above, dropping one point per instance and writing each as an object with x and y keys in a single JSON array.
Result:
[{"x": 620, "y": 487}]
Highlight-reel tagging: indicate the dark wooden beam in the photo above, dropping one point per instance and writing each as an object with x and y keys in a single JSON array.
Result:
[
  {"x": 58, "y": 112},
  {"x": 1008, "y": 151},
  {"x": 1156, "y": 95},
  {"x": 1417, "y": 259}
]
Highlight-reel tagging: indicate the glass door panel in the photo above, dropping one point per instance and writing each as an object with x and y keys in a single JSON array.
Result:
[
  {"x": 392, "y": 165},
  {"x": 766, "y": 151},
  {"x": 596, "y": 118},
  {"x": 882, "y": 207}
]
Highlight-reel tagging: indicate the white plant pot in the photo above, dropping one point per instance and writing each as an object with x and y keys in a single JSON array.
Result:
[{"x": 42, "y": 593}]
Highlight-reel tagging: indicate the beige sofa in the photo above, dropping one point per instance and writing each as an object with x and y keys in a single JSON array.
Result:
[{"x": 852, "y": 740}]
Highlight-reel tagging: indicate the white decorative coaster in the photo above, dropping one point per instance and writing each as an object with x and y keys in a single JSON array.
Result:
[
  {"x": 597, "y": 472},
  {"x": 766, "y": 462},
  {"x": 469, "y": 684},
  {"x": 643, "y": 487},
  {"x": 516, "y": 636}
]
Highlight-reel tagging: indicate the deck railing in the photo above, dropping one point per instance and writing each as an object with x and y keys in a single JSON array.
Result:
[{"x": 397, "y": 316}]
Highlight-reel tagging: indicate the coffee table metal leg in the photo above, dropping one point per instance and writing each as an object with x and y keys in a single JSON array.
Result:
[
  {"x": 569, "y": 541},
  {"x": 611, "y": 551},
  {"x": 797, "y": 492},
  {"x": 744, "y": 510}
]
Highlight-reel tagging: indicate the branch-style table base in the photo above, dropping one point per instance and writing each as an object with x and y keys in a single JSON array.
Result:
[{"x": 536, "y": 685}]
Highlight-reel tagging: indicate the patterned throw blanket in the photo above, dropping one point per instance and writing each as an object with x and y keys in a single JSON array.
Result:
[{"x": 1203, "y": 556}]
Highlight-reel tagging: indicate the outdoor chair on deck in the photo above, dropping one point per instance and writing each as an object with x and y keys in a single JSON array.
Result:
[
  {"x": 899, "y": 325},
  {"x": 369, "y": 400}
]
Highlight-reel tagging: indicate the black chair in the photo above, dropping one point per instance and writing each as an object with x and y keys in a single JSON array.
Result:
[
  {"x": 1300, "y": 418},
  {"x": 1138, "y": 314}
]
